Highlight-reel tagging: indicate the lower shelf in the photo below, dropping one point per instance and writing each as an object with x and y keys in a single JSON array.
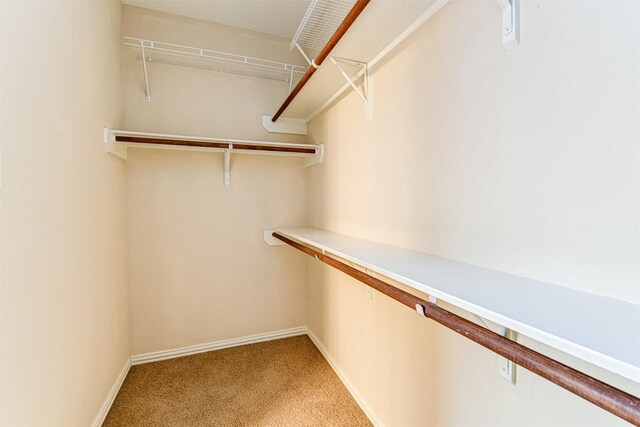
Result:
[
  {"x": 394, "y": 262},
  {"x": 602, "y": 331}
]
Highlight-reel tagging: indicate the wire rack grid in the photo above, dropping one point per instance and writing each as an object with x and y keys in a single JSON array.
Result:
[
  {"x": 194, "y": 57},
  {"x": 320, "y": 22}
]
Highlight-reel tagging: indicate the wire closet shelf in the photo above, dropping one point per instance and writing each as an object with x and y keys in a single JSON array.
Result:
[
  {"x": 168, "y": 53},
  {"x": 320, "y": 23}
]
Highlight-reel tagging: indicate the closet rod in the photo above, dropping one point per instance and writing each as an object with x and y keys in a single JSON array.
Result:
[
  {"x": 196, "y": 143},
  {"x": 609, "y": 398},
  {"x": 335, "y": 38}
]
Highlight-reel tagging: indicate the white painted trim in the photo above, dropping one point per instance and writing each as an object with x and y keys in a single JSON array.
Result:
[
  {"x": 360, "y": 400},
  {"x": 380, "y": 56},
  {"x": 106, "y": 406},
  {"x": 157, "y": 356}
]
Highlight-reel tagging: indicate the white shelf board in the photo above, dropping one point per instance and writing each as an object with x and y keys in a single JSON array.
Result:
[
  {"x": 119, "y": 148},
  {"x": 602, "y": 331},
  {"x": 379, "y": 24}
]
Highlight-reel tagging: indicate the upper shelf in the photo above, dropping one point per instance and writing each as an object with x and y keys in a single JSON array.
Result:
[
  {"x": 380, "y": 27},
  {"x": 319, "y": 23},
  {"x": 599, "y": 330},
  {"x": 167, "y": 53}
]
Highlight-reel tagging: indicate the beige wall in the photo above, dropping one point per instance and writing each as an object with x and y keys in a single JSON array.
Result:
[
  {"x": 524, "y": 162},
  {"x": 64, "y": 297},
  {"x": 198, "y": 267}
]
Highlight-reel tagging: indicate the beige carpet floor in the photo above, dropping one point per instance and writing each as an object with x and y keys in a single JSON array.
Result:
[{"x": 285, "y": 382}]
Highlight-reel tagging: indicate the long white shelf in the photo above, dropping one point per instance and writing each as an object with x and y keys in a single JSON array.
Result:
[
  {"x": 117, "y": 142},
  {"x": 602, "y": 331}
]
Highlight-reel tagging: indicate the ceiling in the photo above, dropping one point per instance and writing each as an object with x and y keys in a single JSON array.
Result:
[{"x": 275, "y": 17}]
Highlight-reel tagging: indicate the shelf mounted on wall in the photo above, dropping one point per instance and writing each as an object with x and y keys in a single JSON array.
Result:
[
  {"x": 118, "y": 141},
  {"x": 369, "y": 42},
  {"x": 324, "y": 24},
  {"x": 590, "y": 327},
  {"x": 319, "y": 24},
  {"x": 195, "y": 57}
]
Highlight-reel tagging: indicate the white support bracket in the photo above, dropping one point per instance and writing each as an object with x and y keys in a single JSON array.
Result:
[
  {"x": 111, "y": 146},
  {"x": 315, "y": 158},
  {"x": 510, "y": 23},
  {"x": 365, "y": 94},
  {"x": 147, "y": 92},
  {"x": 267, "y": 235},
  {"x": 226, "y": 164},
  {"x": 506, "y": 368},
  {"x": 420, "y": 308},
  {"x": 285, "y": 125},
  {"x": 306, "y": 58}
]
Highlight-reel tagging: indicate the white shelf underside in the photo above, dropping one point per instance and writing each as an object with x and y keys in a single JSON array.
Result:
[{"x": 602, "y": 331}]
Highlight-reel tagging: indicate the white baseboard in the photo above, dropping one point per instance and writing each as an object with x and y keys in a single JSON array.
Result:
[
  {"x": 106, "y": 406},
  {"x": 364, "y": 405},
  {"x": 216, "y": 345}
]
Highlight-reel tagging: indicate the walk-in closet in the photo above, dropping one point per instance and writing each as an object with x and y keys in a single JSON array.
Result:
[{"x": 396, "y": 213}]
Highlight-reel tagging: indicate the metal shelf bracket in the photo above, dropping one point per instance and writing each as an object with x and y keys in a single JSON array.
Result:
[
  {"x": 365, "y": 93},
  {"x": 306, "y": 58},
  {"x": 147, "y": 93},
  {"x": 510, "y": 23},
  {"x": 226, "y": 164}
]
